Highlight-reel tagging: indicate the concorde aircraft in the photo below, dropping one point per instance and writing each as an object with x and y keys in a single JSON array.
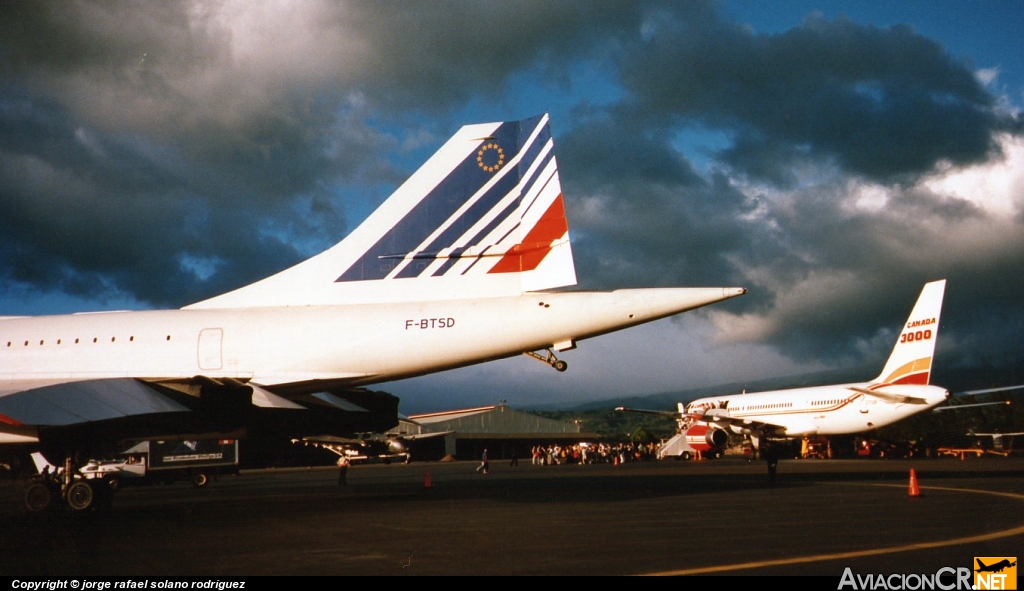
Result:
[{"x": 460, "y": 265}]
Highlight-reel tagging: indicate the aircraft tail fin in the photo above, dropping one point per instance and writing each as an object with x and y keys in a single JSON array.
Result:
[
  {"x": 42, "y": 465},
  {"x": 484, "y": 216},
  {"x": 911, "y": 358}
]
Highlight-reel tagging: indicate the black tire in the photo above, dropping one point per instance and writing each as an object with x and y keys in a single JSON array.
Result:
[
  {"x": 38, "y": 497},
  {"x": 686, "y": 455},
  {"x": 80, "y": 496},
  {"x": 114, "y": 483},
  {"x": 200, "y": 479},
  {"x": 561, "y": 365}
]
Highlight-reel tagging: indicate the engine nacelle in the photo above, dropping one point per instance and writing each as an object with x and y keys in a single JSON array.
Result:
[
  {"x": 396, "y": 446},
  {"x": 706, "y": 437}
]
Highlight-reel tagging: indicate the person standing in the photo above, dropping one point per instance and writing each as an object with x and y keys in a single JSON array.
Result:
[
  {"x": 343, "y": 463},
  {"x": 771, "y": 457},
  {"x": 484, "y": 466}
]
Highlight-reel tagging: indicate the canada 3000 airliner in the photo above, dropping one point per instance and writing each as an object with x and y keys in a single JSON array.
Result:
[
  {"x": 456, "y": 267},
  {"x": 902, "y": 389}
]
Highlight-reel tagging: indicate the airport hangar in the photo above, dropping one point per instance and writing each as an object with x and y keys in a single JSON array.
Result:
[{"x": 499, "y": 429}]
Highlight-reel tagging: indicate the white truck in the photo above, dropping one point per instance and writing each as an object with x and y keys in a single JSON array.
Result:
[
  {"x": 169, "y": 461},
  {"x": 158, "y": 461}
]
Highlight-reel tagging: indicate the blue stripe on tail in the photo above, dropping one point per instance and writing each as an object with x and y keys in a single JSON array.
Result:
[{"x": 441, "y": 203}]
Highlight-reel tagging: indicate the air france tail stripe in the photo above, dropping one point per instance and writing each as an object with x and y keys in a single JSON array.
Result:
[
  {"x": 437, "y": 208},
  {"x": 538, "y": 153},
  {"x": 549, "y": 177},
  {"x": 459, "y": 225},
  {"x": 427, "y": 215},
  {"x": 517, "y": 206},
  {"x": 511, "y": 207},
  {"x": 527, "y": 255}
]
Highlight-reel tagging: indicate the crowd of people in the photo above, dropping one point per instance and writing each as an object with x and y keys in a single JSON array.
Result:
[{"x": 593, "y": 453}]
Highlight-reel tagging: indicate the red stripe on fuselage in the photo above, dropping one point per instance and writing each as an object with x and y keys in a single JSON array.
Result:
[{"x": 528, "y": 254}]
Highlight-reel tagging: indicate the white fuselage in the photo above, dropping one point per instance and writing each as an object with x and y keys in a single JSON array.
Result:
[
  {"x": 822, "y": 410},
  {"x": 307, "y": 347}
]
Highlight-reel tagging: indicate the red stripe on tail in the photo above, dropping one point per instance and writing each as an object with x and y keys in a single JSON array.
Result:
[
  {"x": 914, "y": 378},
  {"x": 528, "y": 254}
]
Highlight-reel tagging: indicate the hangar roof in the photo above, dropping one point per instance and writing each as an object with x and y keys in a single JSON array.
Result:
[{"x": 493, "y": 420}]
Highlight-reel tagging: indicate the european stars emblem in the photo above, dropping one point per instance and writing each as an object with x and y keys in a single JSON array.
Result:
[{"x": 490, "y": 157}]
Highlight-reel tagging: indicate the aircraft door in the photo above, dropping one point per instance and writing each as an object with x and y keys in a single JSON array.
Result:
[
  {"x": 210, "y": 346},
  {"x": 865, "y": 403}
]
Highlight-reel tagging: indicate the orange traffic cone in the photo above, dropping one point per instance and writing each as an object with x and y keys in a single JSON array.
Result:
[
  {"x": 427, "y": 483},
  {"x": 915, "y": 491}
]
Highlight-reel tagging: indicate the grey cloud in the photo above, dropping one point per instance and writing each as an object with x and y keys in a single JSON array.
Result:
[
  {"x": 871, "y": 266},
  {"x": 812, "y": 113},
  {"x": 230, "y": 134},
  {"x": 883, "y": 103},
  {"x": 831, "y": 279},
  {"x": 429, "y": 55},
  {"x": 642, "y": 215}
]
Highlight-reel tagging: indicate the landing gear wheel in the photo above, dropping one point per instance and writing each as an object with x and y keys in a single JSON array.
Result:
[
  {"x": 80, "y": 496},
  {"x": 200, "y": 479},
  {"x": 38, "y": 497},
  {"x": 550, "y": 359}
]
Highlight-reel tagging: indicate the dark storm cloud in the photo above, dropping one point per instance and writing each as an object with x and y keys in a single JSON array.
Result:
[
  {"x": 641, "y": 215},
  {"x": 883, "y": 102},
  {"x": 816, "y": 204},
  {"x": 94, "y": 214},
  {"x": 431, "y": 55},
  {"x": 169, "y": 151},
  {"x": 94, "y": 218}
]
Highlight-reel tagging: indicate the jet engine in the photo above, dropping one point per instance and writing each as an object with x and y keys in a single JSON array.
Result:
[{"x": 703, "y": 437}]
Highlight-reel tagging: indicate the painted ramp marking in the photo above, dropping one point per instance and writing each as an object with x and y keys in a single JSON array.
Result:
[{"x": 1005, "y": 533}]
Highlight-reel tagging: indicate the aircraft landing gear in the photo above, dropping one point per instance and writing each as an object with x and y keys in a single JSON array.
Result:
[{"x": 550, "y": 359}]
